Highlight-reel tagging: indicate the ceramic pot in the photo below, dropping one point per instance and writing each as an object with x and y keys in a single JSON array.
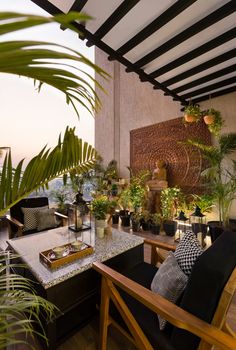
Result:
[
  {"x": 100, "y": 232},
  {"x": 209, "y": 119},
  {"x": 189, "y": 118},
  {"x": 155, "y": 229},
  {"x": 135, "y": 225},
  {"x": 170, "y": 227}
]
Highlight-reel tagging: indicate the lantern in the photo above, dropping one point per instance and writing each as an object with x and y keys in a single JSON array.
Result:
[
  {"x": 198, "y": 223},
  {"x": 81, "y": 217},
  {"x": 182, "y": 225}
]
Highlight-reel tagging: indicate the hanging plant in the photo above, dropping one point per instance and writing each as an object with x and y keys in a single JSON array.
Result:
[
  {"x": 214, "y": 121},
  {"x": 192, "y": 113}
]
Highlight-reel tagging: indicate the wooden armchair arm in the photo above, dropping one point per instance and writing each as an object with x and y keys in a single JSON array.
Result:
[
  {"x": 172, "y": 313},
  {"x": 15, "y": 222},
  {"x": 156, "y": 256},
  {"x": 62, "y": 217}
]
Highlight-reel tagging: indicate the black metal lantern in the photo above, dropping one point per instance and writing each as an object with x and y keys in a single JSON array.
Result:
[
  {"x": 81, "y": 217},
  {"x": 198, "y": 223},
  {"x": 182, "y": 225}
]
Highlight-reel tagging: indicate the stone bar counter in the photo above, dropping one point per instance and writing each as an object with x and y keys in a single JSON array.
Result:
[{"x": 29, "y": 247}]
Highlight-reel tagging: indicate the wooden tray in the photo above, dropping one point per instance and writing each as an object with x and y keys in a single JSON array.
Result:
[{"x": 47, "y": 259}]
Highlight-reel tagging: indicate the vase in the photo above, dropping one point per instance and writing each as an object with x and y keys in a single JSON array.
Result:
[{"x": 100, "y": 232}]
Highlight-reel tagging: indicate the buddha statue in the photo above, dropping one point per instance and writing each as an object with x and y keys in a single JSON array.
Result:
[{"x": 159, "y": 176}]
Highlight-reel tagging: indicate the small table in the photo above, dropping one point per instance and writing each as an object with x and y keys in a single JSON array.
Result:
[{"x": 74, "y": 288}]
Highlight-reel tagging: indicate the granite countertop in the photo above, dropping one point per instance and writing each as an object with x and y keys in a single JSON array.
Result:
[{"x": 29, "y": 247}]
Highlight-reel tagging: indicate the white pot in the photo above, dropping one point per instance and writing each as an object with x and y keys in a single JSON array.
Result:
[
  {"x": 100, "y": 223},
  {"x": 100, "y": 232}
]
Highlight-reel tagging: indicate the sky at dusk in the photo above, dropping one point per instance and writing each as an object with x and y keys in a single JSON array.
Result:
[{"x": 30, "y": 120}]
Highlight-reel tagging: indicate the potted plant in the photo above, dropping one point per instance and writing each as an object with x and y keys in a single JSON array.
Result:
[
  {"x": 214, "y": 121},
  {"x": 135, "y": 220},
  {"x": 156, "y": 220},
  {"x": 124, "y": 202},
  {"x": 100, "y": 207},
  {"x": 114, "y": 189},
  {"x": 145, "y": 220},
  {"x": 169, "y": 201},
  {"x": 192, "y": 113},
  {"x": 220, "y": 176}
]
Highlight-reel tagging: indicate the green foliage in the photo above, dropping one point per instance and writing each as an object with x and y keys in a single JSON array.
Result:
[
  {"x": 136, "y": 217},
  {"x": 100, "y": 207},
  {"x": 43, "y": 61},
  {"x": 124, "y": 199},
  {"x": 145, "y": 216},
  {"x": 193, "y": 110},
  {"x": 20, "y": 306},
  {"x": 169, "y": 201},
  {"x": 216, "y": 126},
  {"x": 156, "y": 218},
  {"x": 61, "y": 197},
  {"x": 70, "y": 154},
  {"x": 204, "y": 202},
  {"x": 221, "y": 173}
]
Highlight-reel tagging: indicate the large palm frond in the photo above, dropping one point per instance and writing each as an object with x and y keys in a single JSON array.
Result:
[
  {"x": 34, "y": 59},
  {"x": 70, "y": 154},
  {"x": 211, "y": 153},
  {"x": 20, "y": 306},
  {"x": 227, "y": 143}
]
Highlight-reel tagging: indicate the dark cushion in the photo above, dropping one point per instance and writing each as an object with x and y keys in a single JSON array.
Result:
[
  {"x": 170, "y": 282},
  {"x": 46, "y": 219},
  {"x": 143, "y": 274},
  {"x": 206, "y": 283},
  {"x": 31, "y": 217},
  {"x": 33, "y": 202}
]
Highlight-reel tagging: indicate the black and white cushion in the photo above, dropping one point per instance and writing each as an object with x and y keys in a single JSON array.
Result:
[
  {"x": 187, "y": 251},
  {"x": 30, "y": 217},
  {"x": 169, "y": 282}
]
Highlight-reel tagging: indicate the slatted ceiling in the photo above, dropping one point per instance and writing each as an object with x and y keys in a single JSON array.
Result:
[
  {"x": 209, "y": 55},
  {"x": 207, "y": 72},
  {"x": 104, "y": 9},
  {"x": 204, "y": 81},
  {"x": 179, "y": 23},
  {"x": 195, "y": 41},
  {"x": 135, "y": 21},
  {"x": 189, "y": 45}
]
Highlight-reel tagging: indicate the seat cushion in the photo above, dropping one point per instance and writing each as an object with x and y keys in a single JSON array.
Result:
[
  {"x": 206, "y": 283},
  {"x": 169, "y": 281},
  {"x": 143, "y": 274}
]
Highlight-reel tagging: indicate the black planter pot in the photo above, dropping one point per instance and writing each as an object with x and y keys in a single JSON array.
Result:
[
  {"x": 170, "y": 227},
  {"x": 215, "y": 229},
  {"x": 125, "y": 220},
  {"x": 115, "y": 219},
  {"x": 155, "y": 229},
  {"x": 135, "y": 225},
  {"x": 145, "y": 226}
]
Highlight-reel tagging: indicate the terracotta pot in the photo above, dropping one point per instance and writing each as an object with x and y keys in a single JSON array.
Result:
[
  {"x": 209, "y": 119},
  {"x": 189, "y": 118}
]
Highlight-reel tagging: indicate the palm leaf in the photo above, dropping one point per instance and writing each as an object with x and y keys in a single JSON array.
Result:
[
  {"x": 70, "y": 155},
  {"x": 33, "y": 59},
  {"x": 227, "y": 143}
]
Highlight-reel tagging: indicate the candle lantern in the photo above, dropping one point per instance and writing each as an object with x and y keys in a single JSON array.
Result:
[
  {"x": 198, "y": 223},
  {"x": 81, "y": 216},
  {"x": 182, "y": 225}
]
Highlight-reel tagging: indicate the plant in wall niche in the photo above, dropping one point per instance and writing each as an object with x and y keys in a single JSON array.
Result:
[
  {"x": 169, "y": 201},
  {"x": 192, "y": 113},
  {"x": 214, "y": 121}
]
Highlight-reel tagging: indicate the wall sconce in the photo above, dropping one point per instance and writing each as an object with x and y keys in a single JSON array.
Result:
[
  {"x": 81, "y": 216},
  {"x": 198, "y": 223}
]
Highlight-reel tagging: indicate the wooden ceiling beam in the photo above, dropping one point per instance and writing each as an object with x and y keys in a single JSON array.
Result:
[
  {"x": 196, "y": 28},
  {"x": 201, "y": 67},
  {"x": 207, "y": 89},
  {"x": 220, "y": 40},
  {"x": 214, "y": 94},
  {"x": 78, "y": 5},
  {"x": 159, "y": 22},
  {"x": 206, "y": 79}
]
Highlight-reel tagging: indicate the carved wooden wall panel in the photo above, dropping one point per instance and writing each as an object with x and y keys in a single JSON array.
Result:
[{"x": 162, "y": 141}]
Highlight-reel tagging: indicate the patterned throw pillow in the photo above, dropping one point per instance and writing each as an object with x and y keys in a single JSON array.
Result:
[
  {"x": 187, "y": 251},
  {"x": 30, "y": 218},
  {"x": 46, "y": 219},
  {"x": 169, "y": 282}
]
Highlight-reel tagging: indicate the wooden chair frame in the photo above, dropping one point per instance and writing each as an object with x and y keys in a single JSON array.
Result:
[{"x": 218, "y": 333}]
